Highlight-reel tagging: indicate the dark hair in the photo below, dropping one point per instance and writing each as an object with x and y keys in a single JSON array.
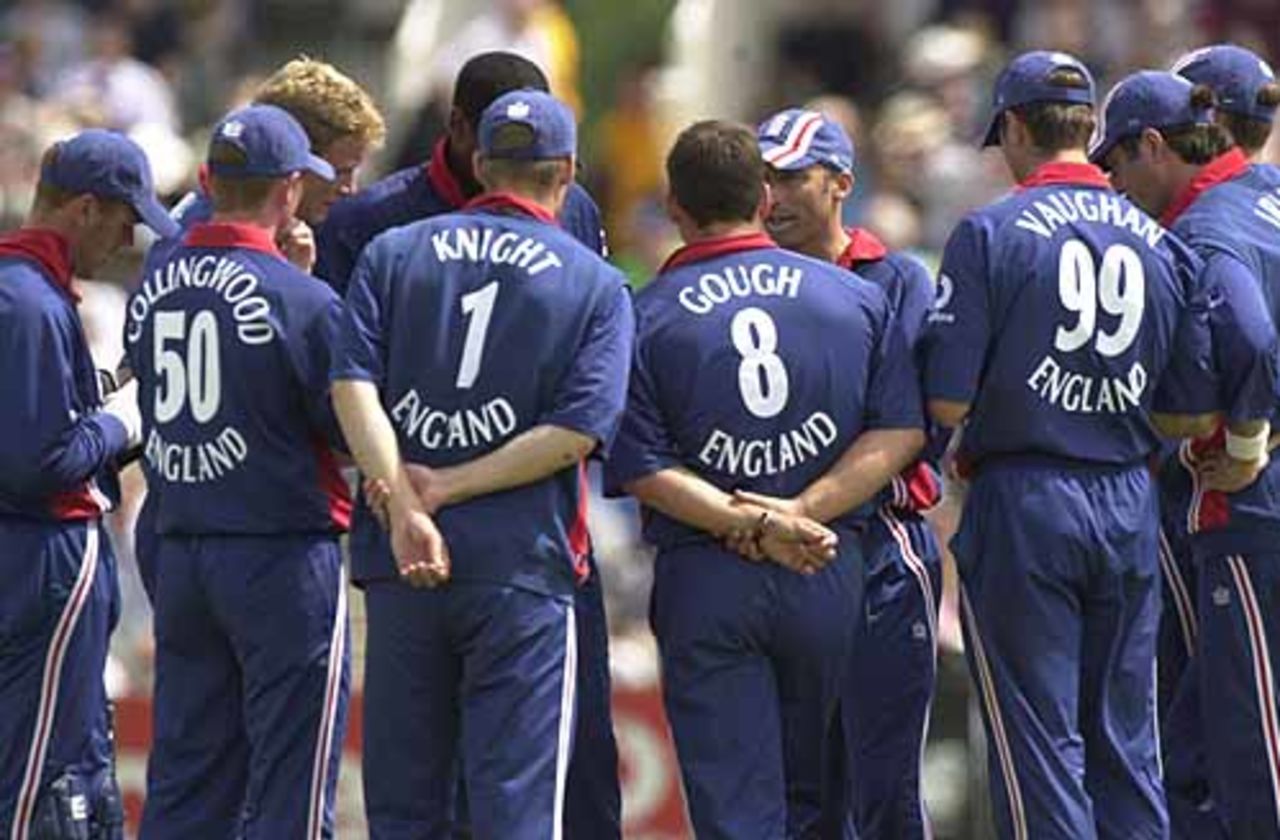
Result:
[
  {"x": 1193, "y": 143},
  {"x": 235, "y": 194},
  {"x": 716, "y": 172},
  {"x": 489, "y": 75},
  {"x": 1055, "y": 126},
  {"x": 1251, "y": 133}
]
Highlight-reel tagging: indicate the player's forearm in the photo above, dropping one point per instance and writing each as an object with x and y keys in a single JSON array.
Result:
[
  {"x": 1184, "y": 425},
  {"x": 862, "y": 471},
  {"x": 684, "y": 496},
  {"x": 369, "y": 434},
  {"x": 531, "y": 456}
]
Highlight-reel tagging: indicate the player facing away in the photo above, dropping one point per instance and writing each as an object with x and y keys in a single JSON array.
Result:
[
  {"x": 889, "y": 683},
  {"x": 230, "y": 344},
  {"x": 61, "y": 446},
  {"x": 1166, "y": 152},
  {"x": 488, "y": 349},
  {"x": 763, "y": 371},
  {"x": 445, "y": 183},
  {"x": 1062, "y": 332},
  {"x": 1245, "y": 91}
]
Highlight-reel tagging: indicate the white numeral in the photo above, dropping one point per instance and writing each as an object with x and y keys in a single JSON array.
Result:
[
  {"x": 762, "y": 378},
  {"x": 1119, "y": 287},
  {"x": 479, "y": 305},
  {"x": 198, "y": 378}
]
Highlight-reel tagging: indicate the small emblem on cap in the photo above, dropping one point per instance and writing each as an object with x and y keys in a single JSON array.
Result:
[
  {"x": 233, "y": 129},
  {"x": 517, "y": 110},
  {"x": 1061, "y": 58}
]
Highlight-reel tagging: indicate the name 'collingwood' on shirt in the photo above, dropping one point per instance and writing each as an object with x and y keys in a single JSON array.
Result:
[
  {"x": 762, "y": 375},
  {"x": 495, "y": 419},
  {"x": 1120, "y": 272},
  {"x": 187, "y": 361}
]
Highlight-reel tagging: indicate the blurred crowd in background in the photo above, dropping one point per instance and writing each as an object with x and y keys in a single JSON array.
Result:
[{"x": 909, "y": 79}]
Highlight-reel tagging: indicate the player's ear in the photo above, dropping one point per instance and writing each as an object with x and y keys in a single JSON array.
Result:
[
  {"x": 842, "y": 185},
  {"x": 765, "y": 207},
  {"x": 1152, "y": 143}
]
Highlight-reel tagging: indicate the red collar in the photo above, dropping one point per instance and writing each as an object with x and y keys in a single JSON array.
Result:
[
  {"x": 1222, "y": 168},
  {"x": 863, "y": 247},
  {"x": 505, "y": 202},
  {"x": 232, "y": 235},
  {"x": 1060, "y": 172},
  {"x": 707, "y": 249},
  {"x": 48, "y": 249},
  {"x": 442, "y": 179}
]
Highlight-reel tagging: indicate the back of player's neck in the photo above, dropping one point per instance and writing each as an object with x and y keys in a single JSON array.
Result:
[
  {"x": 250, "y": 218},
  {"x": 720, "y": 230},
  {"x": 1075, "y": 156}
]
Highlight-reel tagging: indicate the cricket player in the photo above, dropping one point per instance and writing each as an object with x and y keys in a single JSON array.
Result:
[
  {"x": 488, "y": 348},
  {"x": 1063, "y": 330},
  {"x": 889, "y": 683},
  {"x": 765, "y": 371},
  {"x": 445, "y": 184},
  {"x": 230, "y": 344},
  {"x": 344, "y": 126},
  {"x": 1166, "y": 151},
  {"x": 1245, "y": 91},
  {"x": 61, "y": 445}
]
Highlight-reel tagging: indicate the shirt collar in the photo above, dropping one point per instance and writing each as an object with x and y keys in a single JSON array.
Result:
[
  {"x": 707, "y": 249},
  {"x": 506, "y": 202},
  {"x": 48, "y": 249},
  {"x": 1064, "y": 172},
  {"x": 864, "y": 246},
  {"x": 441, "y": 177},
  {"x": 1222, "y": 168},
  {"x": 232, "y": 235}
]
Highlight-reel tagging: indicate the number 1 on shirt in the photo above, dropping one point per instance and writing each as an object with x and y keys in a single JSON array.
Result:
[{"x": 479, "y": 305}]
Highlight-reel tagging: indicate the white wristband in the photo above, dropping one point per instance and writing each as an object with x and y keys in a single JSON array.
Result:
[
  {"x": 1250, "y": 448},
  {"x": 122, "y": 404}
]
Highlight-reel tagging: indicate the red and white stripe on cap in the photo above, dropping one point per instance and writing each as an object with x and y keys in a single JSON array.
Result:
[{"x": 797, "y": 142}]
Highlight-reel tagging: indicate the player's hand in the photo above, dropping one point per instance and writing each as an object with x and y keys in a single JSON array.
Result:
[
  {"x": 1221, "y": 472},
  {"x": 377, "y": 495},
  {"x": 797, "y": 543},
  {"x": 431, "y": 486},
  {"x": 418, "y": 546},
  {"x": 298, "y": 244}
]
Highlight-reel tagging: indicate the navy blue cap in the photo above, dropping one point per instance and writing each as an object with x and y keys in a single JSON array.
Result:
[
  {"x": 797, "y": 139},
  {"x": 553, "y": 129},
  {"x": 273, "y": 142},
  {"x": 108, "y": 165},
  {"x": 1026, "y": 80},
  {"x": 1235, "y": 75},
  {"x": 1142, "y": 100}
]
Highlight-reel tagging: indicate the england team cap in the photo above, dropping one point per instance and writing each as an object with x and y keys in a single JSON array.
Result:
[
  {"x": 1142, "y": 100},
  {"x": 109, "y": 165},
  {"x": 273, "y": 142},
  {"x": 552, "y": 128},
  {"x": 797, "y": 139},
  {"x": 1233, "y": 73},
  {"x": 1026, "y": 80}
]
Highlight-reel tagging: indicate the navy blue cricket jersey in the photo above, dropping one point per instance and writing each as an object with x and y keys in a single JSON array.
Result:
[
  {"x": 1230, "y": 215},
  {"x": 907, "y": 285},
  {"x": 231, "y": 345},
  {"x": 756, "y": 368},
  {"x": 477, "y": 326},
  {"x": 57, "y": 450},
  {"x": 412, "y": 194},
  {"x": 1064, "y": 316}
]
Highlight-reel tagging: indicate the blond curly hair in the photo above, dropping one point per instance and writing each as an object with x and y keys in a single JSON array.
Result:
[{"x": 328, "y": 103}]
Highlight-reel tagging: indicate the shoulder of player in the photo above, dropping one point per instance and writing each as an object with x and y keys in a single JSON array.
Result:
[
  {"x": 578, "y": 200},
  {"x": 25, "y": 293}
]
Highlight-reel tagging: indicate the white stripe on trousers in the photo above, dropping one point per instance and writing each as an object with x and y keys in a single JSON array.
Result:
[
  {"x": 1264, "y": 679},
  {"x": 47, "y": 708},
  {"x": 564, "y": 737},
  {"x": 332, "y": 690},
  {"x": 1017, "y": 815}
]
